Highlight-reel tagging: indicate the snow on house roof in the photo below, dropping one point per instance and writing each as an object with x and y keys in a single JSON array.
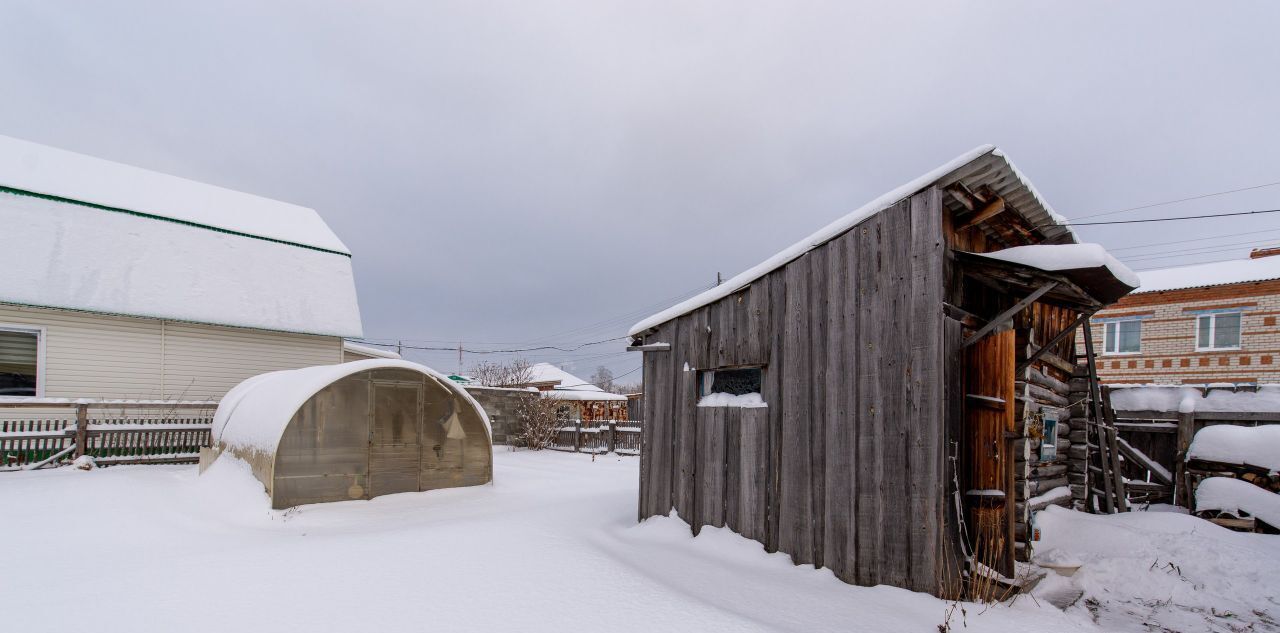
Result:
[
  {"x": 1189, "y": 399},
  {"x": 255, "y": 413},
  {"x": 568, "y": 386},
  {"x": 1211, "y": 274},
  {"x": 63, "y": 254},
  {"x": 68, "y": 256},
  {"x": 985, "y": 164},
  {"x": 546, "y": 372},
  {"x": 367, "y": 350},
  {"x": 48, "y": 171}
]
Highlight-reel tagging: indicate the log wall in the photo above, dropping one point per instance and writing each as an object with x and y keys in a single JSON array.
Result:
[{"x": 846, "y": 466}]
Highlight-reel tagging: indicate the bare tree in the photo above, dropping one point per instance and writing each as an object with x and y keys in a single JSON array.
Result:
[
  {"x": 511, "y": 374},
  {"x": 603, "y": 378},
  {"x": 539, "y": 420},
  {"x": 624, "y": 388}
]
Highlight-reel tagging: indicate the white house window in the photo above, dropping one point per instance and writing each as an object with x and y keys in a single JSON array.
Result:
[
  {"x": 19, "y": 362},
  {"x": 1220, "y": 330},
  {"x": 1122, "y": 337}
]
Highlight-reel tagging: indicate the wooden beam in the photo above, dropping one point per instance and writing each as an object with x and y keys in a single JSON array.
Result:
[
  {"x": 1145, "y": 462},
  {"x": 651, "y": 347},
  {"x": 1108, "y": 500},
  {"x": 993, "y": 208},
  {"x": 1009, "y": 314},
  {"x": 1054, "y": 341}
]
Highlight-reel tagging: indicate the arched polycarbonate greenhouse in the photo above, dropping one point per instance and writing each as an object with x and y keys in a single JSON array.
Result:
[{"x": 353, "y": 431}]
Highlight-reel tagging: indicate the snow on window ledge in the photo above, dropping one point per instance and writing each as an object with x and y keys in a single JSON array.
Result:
[{"x": 742, "y": 401}]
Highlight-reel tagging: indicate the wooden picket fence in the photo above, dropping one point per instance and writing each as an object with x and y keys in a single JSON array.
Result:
[
  {"x": 599, "y": 436},
  {"x": 55, "y": 434}
]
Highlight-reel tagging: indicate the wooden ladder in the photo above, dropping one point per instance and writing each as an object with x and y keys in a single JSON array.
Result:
[{"x": 1105, "y": 467}]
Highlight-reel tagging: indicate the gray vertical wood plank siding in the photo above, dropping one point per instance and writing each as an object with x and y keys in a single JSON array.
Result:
[
  {"x": 711, "y": 465},
  {"x": 837, "y": 426},
  {"x": 870, "y": 324},
  {"x": 684, "y": 469},
  {"x": 926, "y": 420},
  {"x": 846, "y": 467},
  {"x": 795, "y": 507}
]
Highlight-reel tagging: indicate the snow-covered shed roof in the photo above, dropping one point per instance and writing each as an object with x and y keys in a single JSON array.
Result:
[
  {"x": 985, "y": 164},
  {"x": 255, "y": 413},
  {"x": 1211, "y": 274},
  {"x": 1088, "y": 266},
  {"x": 93, "y": 235},
  {"x": 568, "y": 386}
]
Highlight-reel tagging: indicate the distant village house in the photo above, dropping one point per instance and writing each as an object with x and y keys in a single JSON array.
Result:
[{"x": 1199, "y": 324}]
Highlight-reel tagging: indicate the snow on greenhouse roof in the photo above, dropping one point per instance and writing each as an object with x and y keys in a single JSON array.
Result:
[
  {"x": 254, "y": 414},
  {"x": 38, "y": 169},
  {"x": 1211, "y": 274},
  {"x": 70, "y": 256},
  {"x": 985, "y": 164}
]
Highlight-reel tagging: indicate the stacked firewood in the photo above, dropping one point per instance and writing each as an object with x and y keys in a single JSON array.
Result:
[{"x": 1198, "y": 469}]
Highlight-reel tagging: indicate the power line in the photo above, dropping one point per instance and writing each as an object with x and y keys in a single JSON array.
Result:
[
  {"x": 1208, "y": 248},
  {"x": 1185, "y": 217},
  {"x": 1160, "y": 204},
  {"x": 1197, "y": 239},
  {"x": 497, "y": 351}
]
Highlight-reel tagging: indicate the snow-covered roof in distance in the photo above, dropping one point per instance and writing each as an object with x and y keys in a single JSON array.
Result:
[
  {"x": 39, "y": 169},
  {"x": 568, "y": 386},
  {"x": 71, "y": 256},
  {"x": 255, "y": 413},
  {"x": 1055, "y": 257},
  {"x": 368, "y": 350},
  {"x": 985, "y": 164},
  {"x": 1211, "y": 274},
  {"x": 546, "y": 372}
]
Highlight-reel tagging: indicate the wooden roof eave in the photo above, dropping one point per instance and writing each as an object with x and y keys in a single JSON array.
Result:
[{"x": 1021, "y": 280}]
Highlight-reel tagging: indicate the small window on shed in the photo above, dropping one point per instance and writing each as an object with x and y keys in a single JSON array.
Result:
[{"x": 730, "y": 387}]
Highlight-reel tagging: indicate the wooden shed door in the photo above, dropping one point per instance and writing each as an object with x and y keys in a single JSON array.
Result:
[
  {"x": 989, "y": 407},
  {"x": 395, "y": 438}
]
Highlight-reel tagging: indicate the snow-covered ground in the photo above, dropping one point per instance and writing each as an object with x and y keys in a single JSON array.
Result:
[{"x": 552, "y": 546}]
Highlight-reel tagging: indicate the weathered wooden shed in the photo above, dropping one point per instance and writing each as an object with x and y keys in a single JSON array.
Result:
[
  {"x": 353, "y": 431},
  {"x": 906, "y": 359}
]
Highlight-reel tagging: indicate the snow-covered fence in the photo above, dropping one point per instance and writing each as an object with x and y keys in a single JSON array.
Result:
[
  {"x": 1157, "y": 424},
  {"x": 39, "y": 432},
  {"x": 599, "y": 436}
]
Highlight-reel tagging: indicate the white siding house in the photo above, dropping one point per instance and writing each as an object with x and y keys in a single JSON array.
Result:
[{"x": 124, "y": 283}]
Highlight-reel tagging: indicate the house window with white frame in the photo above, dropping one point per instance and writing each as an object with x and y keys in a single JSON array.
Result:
[
  {"x": 1122, "y": 337},
  {"x": 20, "y": 361},
  {"x": 1219, "y": 330}
]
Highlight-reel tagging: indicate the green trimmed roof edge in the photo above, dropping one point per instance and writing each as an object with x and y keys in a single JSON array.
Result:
[{"x": 92, "y": 205}]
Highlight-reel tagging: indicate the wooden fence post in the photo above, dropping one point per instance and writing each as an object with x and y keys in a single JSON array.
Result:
[
  {"x": 1186, "y": 431},
  {"x": 613, "y": 429},
  {"x": 82, "y": 428},
  {"x": 577, "y": 435}
]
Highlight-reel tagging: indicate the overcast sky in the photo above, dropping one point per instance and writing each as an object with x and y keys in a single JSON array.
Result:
[{"x": 535, "y": 172}]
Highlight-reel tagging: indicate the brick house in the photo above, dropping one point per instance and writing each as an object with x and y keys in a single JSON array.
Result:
[{"x": 1206, "y": 323}]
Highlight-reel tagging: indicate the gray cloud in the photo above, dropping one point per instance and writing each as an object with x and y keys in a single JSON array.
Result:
[{"x": 504, "y": 172}]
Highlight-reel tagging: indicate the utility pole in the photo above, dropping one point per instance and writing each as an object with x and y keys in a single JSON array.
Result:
[
  {"x": 399, "y": 351},
  {"x": 718, "y": 279},
  {"x": 459, "y": 358}
]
